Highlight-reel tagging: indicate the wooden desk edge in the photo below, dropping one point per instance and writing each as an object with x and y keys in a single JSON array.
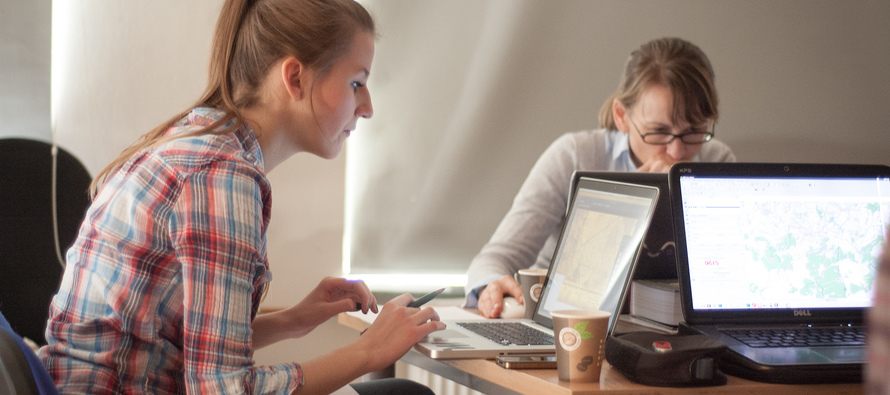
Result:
[{"x": 611, "y": 381}]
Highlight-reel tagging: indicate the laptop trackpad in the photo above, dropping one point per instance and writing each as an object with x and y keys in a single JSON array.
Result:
[
  {"x": 443, "y": 336},
  {"x": 843, "y": 355}
]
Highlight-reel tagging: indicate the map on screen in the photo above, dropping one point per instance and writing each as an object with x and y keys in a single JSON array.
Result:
[{"x": 780, "y": 244}]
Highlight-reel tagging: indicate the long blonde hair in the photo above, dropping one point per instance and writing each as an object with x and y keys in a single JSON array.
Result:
[
  {"x": 675, "y": 63},
  {"x": 251, "y": 35}
]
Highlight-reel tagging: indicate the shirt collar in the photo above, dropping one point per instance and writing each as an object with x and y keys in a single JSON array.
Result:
[
  {"x": 620, "y": 150},
  {"x": 204, "y": 116},
  {"x": 620, "y": 146}
]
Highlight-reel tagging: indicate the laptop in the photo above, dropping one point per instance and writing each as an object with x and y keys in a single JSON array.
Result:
[
  {"x": 657, "y": 260},
  {"x": 791, "y": 247},
  {"x": 591, "y": 269}
]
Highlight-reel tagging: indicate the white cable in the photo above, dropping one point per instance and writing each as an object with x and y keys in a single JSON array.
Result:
[
  {"x": 55, "y": 206},
  {"x": 661, "y": 250}
]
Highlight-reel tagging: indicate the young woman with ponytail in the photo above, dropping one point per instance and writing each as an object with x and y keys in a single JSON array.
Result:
[{"x": 164, "y": 282}]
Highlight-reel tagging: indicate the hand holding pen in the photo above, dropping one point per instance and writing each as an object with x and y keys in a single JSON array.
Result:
[
  {"x": 421, "y": 301},
  {"x": 426, "y": 298}
]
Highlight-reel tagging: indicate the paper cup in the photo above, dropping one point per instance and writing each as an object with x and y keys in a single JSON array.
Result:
[
  {"x": 532, "y": 282},
  {"x": 580, "y": 341}
]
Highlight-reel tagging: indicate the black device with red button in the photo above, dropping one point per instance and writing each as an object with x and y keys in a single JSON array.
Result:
[{"x": 666, "y": 360}]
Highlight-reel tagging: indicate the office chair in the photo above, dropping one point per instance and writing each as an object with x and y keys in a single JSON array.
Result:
[
  {"x": 15, "y": 374},
  {"x": 21, "y": 372},
  {"x": 30, "y": 267}
]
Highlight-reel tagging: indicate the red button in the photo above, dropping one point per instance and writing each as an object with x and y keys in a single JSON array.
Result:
[{"x": 661, "y": 346}]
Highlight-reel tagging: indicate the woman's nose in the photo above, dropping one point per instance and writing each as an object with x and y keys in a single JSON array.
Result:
[{"x": 677, "y": 149}]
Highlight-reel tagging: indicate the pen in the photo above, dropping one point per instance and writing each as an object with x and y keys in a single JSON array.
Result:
[{"x": 426, "y": 298}]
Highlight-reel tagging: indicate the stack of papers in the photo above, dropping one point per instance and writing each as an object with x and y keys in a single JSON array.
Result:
[{"x": 657, "y": 300}]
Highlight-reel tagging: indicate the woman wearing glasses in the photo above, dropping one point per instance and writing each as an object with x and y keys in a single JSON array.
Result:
[{"x": 664, "y": 112}]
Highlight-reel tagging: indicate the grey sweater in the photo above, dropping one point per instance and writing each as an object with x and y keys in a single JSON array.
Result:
[{"x": 526, "y": 237}]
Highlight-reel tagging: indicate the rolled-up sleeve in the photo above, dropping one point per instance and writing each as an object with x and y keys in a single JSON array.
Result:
[{"x": 218, "y": 231}]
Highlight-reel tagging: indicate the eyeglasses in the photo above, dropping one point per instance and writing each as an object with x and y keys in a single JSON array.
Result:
[{"x": 691, "y": 138}]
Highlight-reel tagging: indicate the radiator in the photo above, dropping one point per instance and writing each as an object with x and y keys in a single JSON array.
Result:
[{"x": 439, "y": 384}]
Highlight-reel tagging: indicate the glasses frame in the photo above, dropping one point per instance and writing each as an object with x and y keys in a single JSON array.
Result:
[{"x": 708, "y": 135}]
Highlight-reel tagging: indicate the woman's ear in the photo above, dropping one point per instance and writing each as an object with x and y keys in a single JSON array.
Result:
[
  {"x": 293, "y": 76},
  {"x": 619, "y": 115}
]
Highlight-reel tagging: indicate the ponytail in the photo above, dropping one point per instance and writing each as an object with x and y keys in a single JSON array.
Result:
[
  {"x": 607, "y": 121},
  {"x": 250, "y": 36}
]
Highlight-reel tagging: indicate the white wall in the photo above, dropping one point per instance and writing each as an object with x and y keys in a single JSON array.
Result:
[
  {"x": 24, "y": 69},
  {"x": 127, "y": 65}
]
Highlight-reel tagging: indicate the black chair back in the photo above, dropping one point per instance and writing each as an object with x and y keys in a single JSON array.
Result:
[{"x": 30, "y": 270}]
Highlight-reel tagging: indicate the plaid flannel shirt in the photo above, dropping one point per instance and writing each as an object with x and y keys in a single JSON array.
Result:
[{"x": 167, "y": 273}]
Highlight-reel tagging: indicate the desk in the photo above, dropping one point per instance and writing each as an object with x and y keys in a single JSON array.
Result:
[{"x": 487, "y": 377}]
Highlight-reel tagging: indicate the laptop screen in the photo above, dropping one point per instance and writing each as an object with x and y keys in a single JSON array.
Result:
[
  {"x": 756, "y": 243},
  {"x": 657, "y": 258},
  {"x": 594, "y": 257}
]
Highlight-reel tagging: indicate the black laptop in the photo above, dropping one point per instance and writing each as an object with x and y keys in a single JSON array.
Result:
[{"x": 778, "y": 261}]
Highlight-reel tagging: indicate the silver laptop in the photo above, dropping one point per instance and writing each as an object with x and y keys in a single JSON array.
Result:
[
  {"x": 591, "y": 269},
  {"x": 657, "y": 258},
  {"x": 778, "y": 260}
]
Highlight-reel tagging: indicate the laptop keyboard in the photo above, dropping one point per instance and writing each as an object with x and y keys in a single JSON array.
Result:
[
  {"x": 800, "y": 337},
  {"x": 509, "y": 333}
]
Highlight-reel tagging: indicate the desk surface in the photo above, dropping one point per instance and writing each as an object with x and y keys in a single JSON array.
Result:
[{"x": 486, "y": 376}]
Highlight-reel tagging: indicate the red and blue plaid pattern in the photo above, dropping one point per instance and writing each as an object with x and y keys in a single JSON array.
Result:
[{"x": 167, "y": 273}]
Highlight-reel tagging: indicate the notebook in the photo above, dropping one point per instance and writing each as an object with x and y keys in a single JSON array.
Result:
[
  {"x": 780, "y": 246},
  {"x": 657, "y": 260},
  {"x": 591, "y": 269}
]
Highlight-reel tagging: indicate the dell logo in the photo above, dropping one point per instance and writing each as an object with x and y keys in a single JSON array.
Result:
[
  {"x": 685, "y": 170},
  {"x": 802, "y": 313}
]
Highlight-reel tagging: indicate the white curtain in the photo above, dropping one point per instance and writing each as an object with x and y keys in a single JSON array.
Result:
[{"x": 467, "y": 95}]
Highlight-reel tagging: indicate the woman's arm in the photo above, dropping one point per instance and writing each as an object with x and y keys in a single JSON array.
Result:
[
  {"x": 332, "y": 296},
  {"x": 537, "y": 211},
  {"x": 395, "y": 330},
  {"x": 217, "y": 230}
]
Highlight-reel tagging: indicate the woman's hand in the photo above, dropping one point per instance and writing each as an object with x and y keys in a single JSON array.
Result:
[
  {"x": 491, "y": 300},
  {"x": 330, "y": 297},
  {"x": 658, "y": 164},
  {"x": 395, "y": 330}
]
